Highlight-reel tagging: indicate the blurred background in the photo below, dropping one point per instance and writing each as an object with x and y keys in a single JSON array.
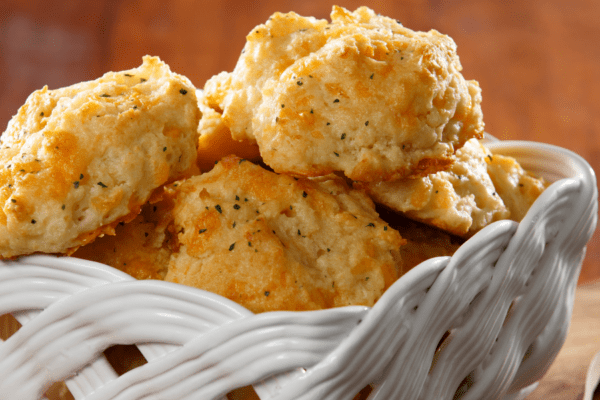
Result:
[{"x": 537, "y": 62}]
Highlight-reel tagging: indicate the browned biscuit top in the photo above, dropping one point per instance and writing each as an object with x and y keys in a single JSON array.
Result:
[
  {"x": 362, "y": 94},
  {"x": 271, "y": 242},
  {"x": 78, "y": 159}
]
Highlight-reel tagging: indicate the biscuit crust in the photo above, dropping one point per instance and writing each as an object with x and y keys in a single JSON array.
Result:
[
  {"x": 461, "y": 200},
  {"x": 140, "y": 248},
  {"x": 271, "y": 242},
  {"x": 517, "y": 187},
  {"x": 215, "y": 140},
  {"x": 362, "y": 94},
  {"x": 76, "y": 161}
]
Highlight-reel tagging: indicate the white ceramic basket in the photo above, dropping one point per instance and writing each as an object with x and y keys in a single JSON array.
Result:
[{"x": 505, "y": 298}]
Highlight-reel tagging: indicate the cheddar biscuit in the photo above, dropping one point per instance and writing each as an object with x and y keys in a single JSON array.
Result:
[
  {"x": 271, "y": 242},
  {"x": 215, "y": 140},
  {"x": 362, "y": 95},
  {"x": 517, "y": 187},
  {"x": 75, "y": 161},
  {"x": 461, "y": 200},
  {"x": 140, "y": 248}
]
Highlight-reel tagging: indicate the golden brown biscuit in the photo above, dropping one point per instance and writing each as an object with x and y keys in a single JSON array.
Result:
[
  {"x": 215, "y": 141},
  {"x": 75, "y": 161},
  {"x": 271, "y": 242},
  {"x": 461, "y": 200},
  {"x": 362, "y": 95},
  {"x": 140, "y": 248},
  {"x": 517, "y": 188}
]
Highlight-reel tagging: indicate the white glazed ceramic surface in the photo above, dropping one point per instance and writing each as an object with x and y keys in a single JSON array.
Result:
[{"x": 505, "y": 298}]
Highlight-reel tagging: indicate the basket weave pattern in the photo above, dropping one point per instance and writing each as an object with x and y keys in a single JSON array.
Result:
[{"x": 502, "y": 304}]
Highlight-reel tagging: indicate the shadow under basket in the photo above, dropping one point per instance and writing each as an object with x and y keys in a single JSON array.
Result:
[{"x": 485, "y": 323}]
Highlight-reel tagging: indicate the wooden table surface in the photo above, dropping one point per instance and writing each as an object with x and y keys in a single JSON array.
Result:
[
  {"x": 565, "y": 378},
  {"x": 538, "y": 65}
]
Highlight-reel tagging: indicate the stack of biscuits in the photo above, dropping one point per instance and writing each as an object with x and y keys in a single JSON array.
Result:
[{"x": 334, "y": 158}]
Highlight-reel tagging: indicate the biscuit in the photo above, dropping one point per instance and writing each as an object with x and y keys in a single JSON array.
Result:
[
  {"x": 461, "y": 200},
  {"x": 140, "y": 248},
  {"x": 517, "y": 187},
  {"x": 362, "y": 94},
  {"x": 75, "y": 161},
  {"x": 271, "y": 242},
  {"x": 422, "y": 241},
  {"x": 215, "y": 141}
]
